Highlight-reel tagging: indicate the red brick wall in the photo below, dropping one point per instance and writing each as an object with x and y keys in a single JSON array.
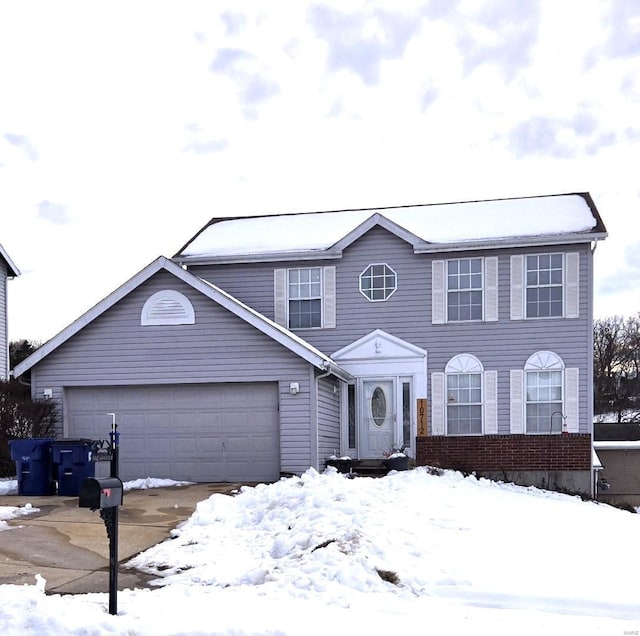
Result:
[{"x": 506, "y": 452}]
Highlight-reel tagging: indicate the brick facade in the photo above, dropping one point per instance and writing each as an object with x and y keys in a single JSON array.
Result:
[{"x": 506, "y": 452}]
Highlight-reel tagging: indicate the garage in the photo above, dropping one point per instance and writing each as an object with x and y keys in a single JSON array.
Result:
[{"x": 194, "y": 432}]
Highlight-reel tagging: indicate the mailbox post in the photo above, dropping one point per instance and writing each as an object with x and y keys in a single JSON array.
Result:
[{"x": 105, "y": 495}]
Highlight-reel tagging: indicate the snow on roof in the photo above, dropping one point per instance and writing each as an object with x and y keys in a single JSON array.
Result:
[{"x": 450, "y": 223}]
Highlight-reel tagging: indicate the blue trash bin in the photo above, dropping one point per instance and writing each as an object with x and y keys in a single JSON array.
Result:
[
  {"x": 33, "y": 465},
  {"x": 72, "y": 464}
]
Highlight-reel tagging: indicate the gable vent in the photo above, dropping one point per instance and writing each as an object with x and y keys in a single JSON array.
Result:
[{"x": 167, "y": 307}]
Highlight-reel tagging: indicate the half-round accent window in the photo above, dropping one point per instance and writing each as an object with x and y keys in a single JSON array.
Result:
[
  {"x": 378, "y": 282},
  {"x": 167, "y": 307}
]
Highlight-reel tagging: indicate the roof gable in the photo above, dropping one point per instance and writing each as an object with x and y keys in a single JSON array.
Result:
[
  {"x": 278, "y": 333},
  {"x": 12, "y": 269},
  {"x": 566, "y": 218}
]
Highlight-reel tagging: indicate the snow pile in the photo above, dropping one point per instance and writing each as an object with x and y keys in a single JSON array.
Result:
[
  {"x": 412, "y": 550},
  {"x": 152, "y": 482},
  {"x": 13, "y": 512}
]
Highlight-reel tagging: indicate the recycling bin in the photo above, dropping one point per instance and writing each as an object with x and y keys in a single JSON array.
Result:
[
  {"x": 33, "y": 465},
  {"x": 72, "y": 464}
]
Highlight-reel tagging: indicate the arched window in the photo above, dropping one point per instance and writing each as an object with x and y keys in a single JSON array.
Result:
[
  {"x": 464, "y": 395},
  {"x": 544, "y": 392},
  {"x": 167, "y": 307}
]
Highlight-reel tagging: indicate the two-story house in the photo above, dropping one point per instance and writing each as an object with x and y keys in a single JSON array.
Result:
[
  {"x": 7, "y": 270},
  {"x": 461, "y": 331}
]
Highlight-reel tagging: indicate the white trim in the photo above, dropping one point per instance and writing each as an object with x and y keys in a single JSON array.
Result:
[
  {"x": 167, "y": 307},
  {"x": 464, "y": 363},
  {"x": 13, "y": 270},
  {"x": 544, "y": 361},
  {"x": 278, "y": 333},
  {"x": 393, "y": 291}
]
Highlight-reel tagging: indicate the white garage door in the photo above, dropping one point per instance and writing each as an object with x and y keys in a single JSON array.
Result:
[{"x": 195, "y": 432}]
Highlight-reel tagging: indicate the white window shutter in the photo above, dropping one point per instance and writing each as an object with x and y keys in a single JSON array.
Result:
[
  {"x": 516, "y": 392},
  {"x": 571, "y": 399},
  {"x": 572, "y": 277},
  {"x": 438, "y": 293},
  {"x": 329, "y": 297},
  {"x": 490, "y": 399},
  {"x": 437, "y": 403},
  {"x": 280, "y": 296},
  {"x": 517, "y": 287},
  {"x": 491, "y": 288}
]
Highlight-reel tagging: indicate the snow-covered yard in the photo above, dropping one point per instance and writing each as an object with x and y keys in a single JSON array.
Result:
[{"x": 411, "y": 552}]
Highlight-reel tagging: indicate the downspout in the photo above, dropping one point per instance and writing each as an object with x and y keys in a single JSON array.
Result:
[{"x": 321, "y": 376}]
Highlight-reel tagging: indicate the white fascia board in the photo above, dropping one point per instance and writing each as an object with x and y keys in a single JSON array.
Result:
[
  {"x": 270, "y": 257},
  {"x": 13, "y": 270},
  {"x": 613, "y": 445},
  {"x": 90, "y": 315},
  {"x": 382, "y": 221},
  {"x": 534, "y": 241}
]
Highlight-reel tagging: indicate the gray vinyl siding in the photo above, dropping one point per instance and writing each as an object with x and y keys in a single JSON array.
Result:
[
  {"x": 4, "y": 343},
  {"x": 220, "y": 347},
  {"x": 328, "y": 418},
  {"x": 501, "y": 345}
]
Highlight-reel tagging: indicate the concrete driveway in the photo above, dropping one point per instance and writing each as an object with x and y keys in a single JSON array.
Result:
[{"x": 69, "y": 546}]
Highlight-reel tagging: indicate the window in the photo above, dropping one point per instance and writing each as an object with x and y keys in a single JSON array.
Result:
[
  {"x": 351, "y": 414},
  {"x": 378, "y": 282},
  {"x": 544, "y": 280},
  {"x": 406, "y": 414},
  {"x": 167, "y": 307},
  {"x": 544, "y": 373},
  {"x": 464, "y": 395},
  {"x": 464, "y": 289},
  {"x": 305, "y": 298}
]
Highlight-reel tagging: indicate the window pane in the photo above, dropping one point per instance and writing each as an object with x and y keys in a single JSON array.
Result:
[
  {"x": 351, "y": 407},
  {"x": 406, "y": 413}
]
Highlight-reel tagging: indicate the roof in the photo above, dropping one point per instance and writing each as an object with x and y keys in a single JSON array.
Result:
[
  {"x": 12, "y": 269},
  {"x": 609, "y": 445},
  {"x": 278, "y": 333},
  {"x": 561, "y": 218}
]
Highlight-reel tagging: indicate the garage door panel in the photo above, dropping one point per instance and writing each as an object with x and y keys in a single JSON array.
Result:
[{"x": 215, "y": 432}]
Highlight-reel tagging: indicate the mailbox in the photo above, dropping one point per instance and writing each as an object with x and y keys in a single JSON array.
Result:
[{"x": 98, "y": 493}]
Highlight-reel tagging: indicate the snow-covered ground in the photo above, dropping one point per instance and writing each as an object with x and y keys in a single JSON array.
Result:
[{"x": 413, "y": 553}]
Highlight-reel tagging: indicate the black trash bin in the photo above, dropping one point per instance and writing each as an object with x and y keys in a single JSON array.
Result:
[
  {"x": 72, "y": 464},
  {"x": 33, "y": 465}
]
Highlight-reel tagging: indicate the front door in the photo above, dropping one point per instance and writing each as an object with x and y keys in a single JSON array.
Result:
[{"x": 378, "y": 417}]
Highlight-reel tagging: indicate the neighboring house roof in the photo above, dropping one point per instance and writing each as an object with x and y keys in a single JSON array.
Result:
[
  {"x": 12, "y": 269},
  {"x": 278, "y": 333},
  {"x": 630, "y": 445},
  {"x": 564, "y": 218}
]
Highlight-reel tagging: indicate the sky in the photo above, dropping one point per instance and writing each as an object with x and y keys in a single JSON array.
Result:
[
  {"x": 126, "y": 126},
  {"x": 322, "y": 553}
]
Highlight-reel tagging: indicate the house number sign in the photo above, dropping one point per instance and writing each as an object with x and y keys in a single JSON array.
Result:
[{"x": 422, "y": 417}]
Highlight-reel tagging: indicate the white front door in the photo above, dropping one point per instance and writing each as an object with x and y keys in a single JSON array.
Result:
[{"x": 378, "y": 417}]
